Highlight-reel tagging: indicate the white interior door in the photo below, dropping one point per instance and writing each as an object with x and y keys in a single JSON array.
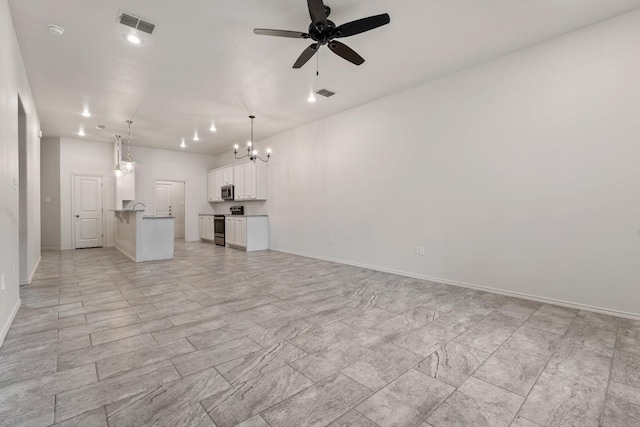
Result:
[
  {"x": 88, "y": 211},
  {"x": 163, "y": 199}
]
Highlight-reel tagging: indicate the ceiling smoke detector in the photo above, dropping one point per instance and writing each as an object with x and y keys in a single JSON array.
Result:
[
  {"x": 135, "y": 22},
  {"x": 55, "y": 30}
]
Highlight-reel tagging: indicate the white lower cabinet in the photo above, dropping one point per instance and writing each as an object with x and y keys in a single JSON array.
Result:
[
  {"x": 206, "y": 230},
  {"x": 248, "y": 233}
]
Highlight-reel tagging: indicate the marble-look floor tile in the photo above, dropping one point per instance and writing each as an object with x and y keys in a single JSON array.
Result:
[
  {"x": 116, "y": 334},
  {"x": 104, "y": 351},
  {"x": 599, "y": 321},
  {"x": 515, "y": 366},
  {"x": 95, "y": 418},
  {"x": 626, "y": 368},
  {"x": 380, "y": 368},
  {"x": 452, "y": 363},
  {"x": 477, "y": 403},
  {"x": 353, "y": 419},
  {"x": 489, "y": 334},
  {"x": 75, "y": 402},
  {"x": 223, "y": 334},
  {"x": 552, "y": 318},
  {"x": 260, "y": 362},
  {"x": 251, "y": 398},
  {"x": 175, "y": 333},
  {"x": 523, "y": 422},
  {"x": 212, "y": 356},
  {"x": 319, "y": 404},
  {"x": 173, "y": 404},
  {"x": 10, "y": 373},
  {"x": 330, "y": 360},
  {"x": 66, "y": 334},
  {"x": 369, "y": 318},
  {"x": 256, "y": 421},
  {"x": 622, "y": 407},
  {"x": 199, "y": 314},
  {"x": 406, "y": 401},
  {"x": 99, "y": 316},
  {"x": 137, "y": 359},
  {"x": 429, "y": 338},
  {"x": 323, "y": 337},
  {"x": 278, "y": 334},
  {"x": 32, "y": 402}
]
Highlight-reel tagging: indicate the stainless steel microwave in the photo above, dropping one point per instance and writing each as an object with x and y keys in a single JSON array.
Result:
[{"x": 227, "y": 192}]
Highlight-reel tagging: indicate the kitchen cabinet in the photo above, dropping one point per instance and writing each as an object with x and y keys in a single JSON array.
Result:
[
  {"x": 206, "y": 230},
  {"x": 214, "y": 183},
  {"x": 238, "y": 182},
  {"x": 250, "y": 181},
  {"x": 227, "y": 176},
  {"x": 249, "y": 233},
  {"x": 125, "y": 189}
]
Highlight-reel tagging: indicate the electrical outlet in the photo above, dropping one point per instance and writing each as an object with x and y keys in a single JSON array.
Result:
[
  {"x": 47, "y": 199},
  {"x": 415, "y": 250},
  {"x": 331, "y": 240},
  {"x": 420, "y": 250},
  {"x": 3, "y": 286}
]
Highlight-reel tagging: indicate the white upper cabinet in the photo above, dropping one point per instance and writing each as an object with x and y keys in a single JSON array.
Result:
[
  {"x": 248, "y": 179},
  {"x": 125, "y": 189},
  {"x": 227, "y": 176},
  {"x": 239, "y": 182}
]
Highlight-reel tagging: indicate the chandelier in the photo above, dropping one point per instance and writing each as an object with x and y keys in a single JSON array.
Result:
[{"x": 252, "y": 153}]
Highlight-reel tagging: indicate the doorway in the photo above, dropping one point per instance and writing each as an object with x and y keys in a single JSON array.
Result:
[
  {"x": 169, "y": 199},
  {"x": 88, "y": 211},
  {"x": 23, "y": 211}
]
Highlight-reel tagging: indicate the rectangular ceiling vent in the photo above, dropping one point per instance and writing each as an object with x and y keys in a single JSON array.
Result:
[
  {"x": 134, "y": 22},
  {"x": 325, "y": 92},
  {"x": 101, "y": 127}
]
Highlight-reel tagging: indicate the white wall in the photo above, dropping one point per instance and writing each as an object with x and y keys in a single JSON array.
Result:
[
  {"x": 174, "y": 166},
  {"x": 14, "y": 83},
  {"x": 520, "y": 175},
  {"x": 82, "y": 157},
  {"x": 50, "y": 188}
]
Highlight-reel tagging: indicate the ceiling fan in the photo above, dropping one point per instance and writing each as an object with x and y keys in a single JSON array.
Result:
[{"x": 324, "y": 32}]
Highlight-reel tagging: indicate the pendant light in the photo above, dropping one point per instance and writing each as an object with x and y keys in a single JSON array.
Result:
[
  {"x": 252, "y": 153},
  {"x": 118, "y": 171},
  {"x": 129, "y": 165}
]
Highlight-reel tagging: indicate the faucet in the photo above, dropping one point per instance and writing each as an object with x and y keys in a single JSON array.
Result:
[{"x": 133, "y": 208}]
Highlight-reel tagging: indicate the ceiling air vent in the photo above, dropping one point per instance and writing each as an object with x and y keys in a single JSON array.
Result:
[
  {"x": 325, "y": 92},
  {"x": 101, "y": 127},
  {"x": 135, "y": 22}
]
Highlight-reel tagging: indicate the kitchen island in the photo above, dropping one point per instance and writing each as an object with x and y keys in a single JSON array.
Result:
[{"x": 144, "y": 237}]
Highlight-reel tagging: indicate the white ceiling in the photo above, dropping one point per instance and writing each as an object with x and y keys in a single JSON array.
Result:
[{"x": 203, "y": 63}]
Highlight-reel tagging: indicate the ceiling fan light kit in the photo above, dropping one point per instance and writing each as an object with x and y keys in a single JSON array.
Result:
[{"x": 324, "y": 32}]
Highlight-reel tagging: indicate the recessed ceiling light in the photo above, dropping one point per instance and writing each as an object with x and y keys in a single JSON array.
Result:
[
  {"x": 86, "y": 112},
  {"x": 213, "y": 127},
  {"x": 81, "y": 132},
  {"x": 133, "y": 39},
  {"x": 195, "y": 137},
  {"x": 312, "y": 98},
  {"x": 183, "y": 145},
  {"x": 56, "y": 30}
]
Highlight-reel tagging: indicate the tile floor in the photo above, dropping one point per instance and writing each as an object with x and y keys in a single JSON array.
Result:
[{"x": 219, "y": 337}]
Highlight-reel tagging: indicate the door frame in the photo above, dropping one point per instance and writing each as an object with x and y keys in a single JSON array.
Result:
[
  {"x": 186, "y": 201},
  {"x": 73, "y": 207}
]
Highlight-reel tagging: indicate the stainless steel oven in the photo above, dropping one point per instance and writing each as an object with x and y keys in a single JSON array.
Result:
[{"x": 218, "y": 229}]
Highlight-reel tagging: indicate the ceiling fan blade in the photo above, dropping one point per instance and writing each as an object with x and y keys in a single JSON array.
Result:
[
  {"x": 361, "y": 25},
  {"x": 346, "y": 52},
  {"x": 281, "y": 33},
  {"x": 306, "y": 55},
  {"x": 317, "y": 12}
]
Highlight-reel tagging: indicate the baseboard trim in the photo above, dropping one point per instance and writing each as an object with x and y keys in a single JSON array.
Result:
[
  {"x": 5, "y": 328},
  {"x": 33, "y": 273},
  {"x": 568, "y": 304},
  {"x": 126, "y": 254}
]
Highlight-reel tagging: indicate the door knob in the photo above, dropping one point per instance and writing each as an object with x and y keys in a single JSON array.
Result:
[{"x": 77, "y": 216}]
